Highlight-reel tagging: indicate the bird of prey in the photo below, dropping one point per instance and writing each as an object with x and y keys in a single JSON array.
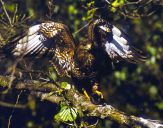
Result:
[
  {"x": 114, "y": 42},
  {"x": 80, "y": 62},
  {"x": 104, "y": 37}
]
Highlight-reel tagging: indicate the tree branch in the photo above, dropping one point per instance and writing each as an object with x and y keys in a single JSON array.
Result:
[
  {"x": 9, "y": 105},
  {"x": 80, "y": 102}
]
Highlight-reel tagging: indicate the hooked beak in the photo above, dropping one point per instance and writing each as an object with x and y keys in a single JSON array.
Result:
[{"x": 106, "y": 29}]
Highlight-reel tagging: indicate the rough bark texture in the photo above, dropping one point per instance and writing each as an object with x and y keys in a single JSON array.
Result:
[{"x": 104, "y": 111}]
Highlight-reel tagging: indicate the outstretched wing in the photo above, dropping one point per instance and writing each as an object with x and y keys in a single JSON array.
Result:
[
  {"x": 49, "y": 39},
  {"x": 44, "y": 38},
  {"x": 119, "y": 48}
]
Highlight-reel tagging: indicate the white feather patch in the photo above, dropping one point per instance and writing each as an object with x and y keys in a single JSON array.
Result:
[
  {"x": 119, "y": 43},
  {"x": 103, "y": 28},
  {"x": 35, "y": 44},
  {"x": 116, "y": 31},
  {"x": 123, "y": 40},
  {"x": 116, "y": 48},
  {"x": 34, "y": 29},
  {"x": 32, "y": 43},
  {"x": 27, "y": 38},
  {"x": 37, "y": 49}
]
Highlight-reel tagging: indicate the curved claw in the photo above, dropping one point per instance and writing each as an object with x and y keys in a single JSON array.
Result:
[
  {"x": 86, "y": 94},
  {"x": 99, "y": 94},
  {"x": 96, "y": 91}
]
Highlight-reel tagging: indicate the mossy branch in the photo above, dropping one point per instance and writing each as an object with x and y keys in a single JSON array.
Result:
[{"x": 80, "y": 102}]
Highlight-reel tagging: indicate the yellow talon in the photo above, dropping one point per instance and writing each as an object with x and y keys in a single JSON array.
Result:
[
  {"x": 96, "y": 91},
  {"x": 99, "y": 94},
  {"x": 86, "y": 94}
]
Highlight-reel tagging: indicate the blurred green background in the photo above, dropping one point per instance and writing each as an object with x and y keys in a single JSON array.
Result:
[{"x": 134, "y": 89}]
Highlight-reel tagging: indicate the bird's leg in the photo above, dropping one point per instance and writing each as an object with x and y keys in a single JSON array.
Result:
[
  {"x": 86, "y": 94},
  {"x": 95, "y": 90}
]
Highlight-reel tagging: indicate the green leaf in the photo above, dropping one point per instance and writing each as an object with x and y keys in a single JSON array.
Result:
[
  {"x": 66, "y": 114},
  {"x": 11, "y": 8},
  {"x": 90, "y": 4},
  {"x": 65, "y": 85},
  {"x": 116, "y": 4},
  {"x": 31, "y": 12},
  {"x": 160, "y": 105},
  {"x": 152, "y": 50},
  {"x": 153, "y": 90},
  {"x": 72, "y": 10},
  {"x": 120, "y": 75}
]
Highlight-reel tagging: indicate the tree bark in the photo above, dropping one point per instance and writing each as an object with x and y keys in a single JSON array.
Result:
[{"x": 80, "y": 102}]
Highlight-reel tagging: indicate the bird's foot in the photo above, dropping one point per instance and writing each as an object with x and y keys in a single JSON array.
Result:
[
  {"x": 86, "y": 94},
  {"x": 99, "y": 94},
  {"x": 96, "y": 91}
]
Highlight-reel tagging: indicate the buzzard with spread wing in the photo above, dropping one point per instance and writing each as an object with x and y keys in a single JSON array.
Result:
[
  {"x": 54, "y": 41},
  {"x": 50, "y": 39},
  {"x": 104, "y": 37},
  {"x": 114, "y": 42}
]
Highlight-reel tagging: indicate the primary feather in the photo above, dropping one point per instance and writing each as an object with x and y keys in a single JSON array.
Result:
[
  {"x": 119, "y": 48},
  {"x": 50, "y": 39},
  {"x": 114, "y": 42}
]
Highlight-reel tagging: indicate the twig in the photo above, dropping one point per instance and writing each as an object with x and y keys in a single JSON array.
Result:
[
  {"x": 14, "y": 17},
  {"x": 131, "y": 3},
  {"x": 13, "y": 110},
  {"x": 12, "y": 74},
  {"x": 107, "y": 1},
  {"x": 80, "y": 29},
  {"x": 3, "y": 5},
  {"x": 45, "y": 96},
  {"x": 9, "y": 105}
]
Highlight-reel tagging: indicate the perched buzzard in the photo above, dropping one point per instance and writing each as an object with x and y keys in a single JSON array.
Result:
[{"x": 54, "y": 41}]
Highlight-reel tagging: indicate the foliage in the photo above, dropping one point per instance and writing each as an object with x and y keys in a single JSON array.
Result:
[{"x": 66, "y": 114}]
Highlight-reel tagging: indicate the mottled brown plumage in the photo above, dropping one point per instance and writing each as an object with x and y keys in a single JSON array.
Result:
[{"x": 54, "y": 41}]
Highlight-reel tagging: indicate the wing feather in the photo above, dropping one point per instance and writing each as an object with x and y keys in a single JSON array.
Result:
[
  {"x": 52, "y": 40},
  {"x": 42, "y": 38},
  {"x": 119, "y": 48},
  {"x": 32, "y": 44},
  {"x": 33, "y": 29},
  {"x": 35, "y": 48}
]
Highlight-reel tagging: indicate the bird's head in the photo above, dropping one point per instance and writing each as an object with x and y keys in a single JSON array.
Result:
[{"x": 98, "y": 29}]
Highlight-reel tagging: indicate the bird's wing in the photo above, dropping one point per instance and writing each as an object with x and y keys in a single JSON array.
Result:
[
  {"x": 43, "y": 39},
  {"x": 119, "y": 48},
  {"x": 50, "y": 39}
]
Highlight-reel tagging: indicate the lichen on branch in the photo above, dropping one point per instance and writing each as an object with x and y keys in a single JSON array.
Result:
[{"x": 80, "y": 102}]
